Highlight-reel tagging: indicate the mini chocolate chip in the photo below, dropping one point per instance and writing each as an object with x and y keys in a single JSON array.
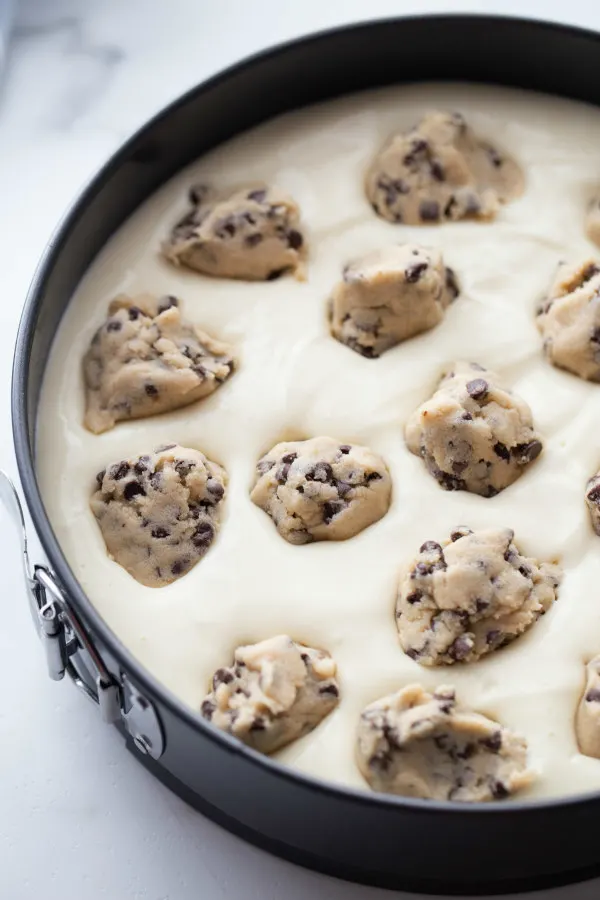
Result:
[
  {"x": 412, "y": 653},
  {"x": 203, "y": 535},
  {"x": 466, "y": 753},
  {"x": 133, "y": 489},
  {"x": 215, "y": 488},
  {"x": 422, "y": 569},
  {"x": 343, "y": 488},
  {"x": 460, "y": 648},
  {"x": 491, "y": 491},
  {"x": 437, "y": 170},
  {"x": 283, "y": 472},
  {"x": 502, "y": 451},
  {"x": 197, "y": 193},
  {"x": 481, "y": 605},
  {"x": 452, "y": 282},
  {"x": 593, "y": 696},
  {"x": 113, "y": 325},
  {"x": 525, "y": 571},
  {"x": 595, "y": 338},
  {"x": 134, "y": 313},
  {"x": 589, "y": 273},
  {"x": 526, "y": 453},
  {"x": 429, "y": 210},
  {"x": 225, "y": 227},
  {"x": 100, "y": 477},
  {"x": 221, "y": 676},
  {"x": 430, "y": 547},
  {"x": 207, "y": 709},
  {"x": 120, "y": 470},
  {"x": 331, "y": 508},
  {"x": 305, "y": 658},
  {"x": 276, "y": 273},
  {"x": 166, "y": 303},
  {"x": 300, "y": 489},
  {"x": 345, "y": 448},
  {"x": 494, "y": 157},
  {"x": 253, "y": 239},
  {"x": 289, "y": 457},
  {"x": 450, "y": 482},
  {"x": 295, "y": 239},
  {"x": 151, "y": 390},
  {"x": 160, "y": 532},
  {"x": 374, "y": 476},
  {"x": 594, "y": 494},
  {"x": 499, "y": 791},
  {"x": 257, "y": 195},
  {"x": 414, "y": 597},
  {"x": 180, "y": 566},
  {"x": 413, "y": 273},
  {"x": 493, "y": 742},
  {"x": 321, "y": 472},
  {"x": 492, "y": 636},
  {"x": 449, "y": 208},
  {"x": 264, "y": 465},
  {"x": 329, "y": 689},
  {"x": 460, "y": 532},
  {"x": 418, "y": 148},
  {"x": 183, "y": 467},
  {"x": 141, "y": 465},
  {"x": 477, "y": 388},
  {"x": 258, "y": 724}
]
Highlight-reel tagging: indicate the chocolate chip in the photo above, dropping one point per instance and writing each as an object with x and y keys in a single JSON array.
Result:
[
  {"x": 494, "y": 157},
  {"x": 481, "y": 605},
  {"x": 151, "y": 390},
  {"x": 160, "y": 532},
  {"x": 257, "y": 195},
  {"x": 414, "y": 597},
  {"x": 418, "y": 149},
  {"x": 413, "y": 273},
  {"x": 183, "y": 467},
  {"x": 203, "y": 535},
  {"x": 422, "y": 569},
  {"x": 113, "y": 325},
  {"x": 343, "y": 488},
  {"x": 477, "y": 388},
  {"x": 329, "y": 689},
  {"x": 460, "y": 648},
  {"x": 345, "y": 448},
  {"x": 207, "y": 709},
  {"x": 321, "y": 472},
  {"x": 259, "y": 724},
  {"x": 331, "y": 508},
  {"x": 526, "y": 453},
  {"x": 493, "y": 742},
  {"x": 593, "y": 495},
  {"x": 289, "y": 457},
  {"x": 595, "y": 338},
  {"x": 295, "y": 239},
  {"x": 133, "y": 489},
  {"x": 460, "y": 532},
  {"x": 493, "y": 636},
  {"x": 100, "y": 477},
  {"x": 449, "y": 208},
  {"x": 264, "y": 465},
  {"x": 450, "y": 482},
  {"x": 120, "y": 470},
  {"x": 134, "y": 313},
  {"x": 221, "y": 676},
  {"x": 452, "y": 283},
  {"x": 283, "y": 472},
  {"x": 197, "y": 193},
  {"x": 593, "y": 696},
  {"x": 437, "y": 170},
  {"x": 499, "y": 791},
  {"x": 141, "y": 465},
  {"x": 412, "y": 653},
  {"x": 276, "y": 273},
  {"x": 502, "y": 451},
  {"x": 431, "y": 547},
  {"x": 589, "y": 273},
  {"x": 253, "y": 239},
  {"x": 374, "y": 476},
  {"x": 215, "y": 488},
  {"x": 166, "y": 303},
  {"x": 180, "y": 566},
  {"x": 429, "y": 210}
]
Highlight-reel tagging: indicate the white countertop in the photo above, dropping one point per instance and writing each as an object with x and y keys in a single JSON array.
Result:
[{"x": 79, "y": 817}]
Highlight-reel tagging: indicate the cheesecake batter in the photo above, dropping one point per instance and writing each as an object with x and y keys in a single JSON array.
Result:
[{"x": 295, "y": 381}]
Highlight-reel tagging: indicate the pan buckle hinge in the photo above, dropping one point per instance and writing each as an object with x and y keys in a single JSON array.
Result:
[{"x": 69, "y": 648}]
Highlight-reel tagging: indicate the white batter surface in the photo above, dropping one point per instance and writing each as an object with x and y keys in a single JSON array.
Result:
[{"x": 295, "y": 381}]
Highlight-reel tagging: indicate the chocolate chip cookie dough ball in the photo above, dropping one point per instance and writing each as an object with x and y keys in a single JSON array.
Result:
[
  {"x": 321, "y": 490},
  {"x": 273, "y": 693},
  {"x": 389, "y": 296},
  {"x": 441, "y": 171},
  {"x": 252, "y": 233},
  {"x": 472, "y": 595},
  {"x": 569, "y": 319},
  {"x": 146, "y": 359},
  {"x": 587, "y": 720},
  {"x": 473, "y": 434},
  {"x": 159, "y": 513},
  {"x": 592, "y": 498},
  {"x": 418, "y": 744}
]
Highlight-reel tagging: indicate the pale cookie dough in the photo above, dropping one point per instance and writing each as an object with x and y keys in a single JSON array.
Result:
[
  {"x": 569, "y": 319},
  {"x": 252, "y": 233},
  {"x": 389, "y": 296},
  {"x": 418, "y": 744},
  {"x": 470, "y": 596},
  {"x": 146, "y": 359},
  {"x": 158, "y": 513},
  {"x": 587, "y": 720},
  {"x": 592, "y": 498},
  {"x": 321, "y": 489},
  {"x": 440, "y": 170},
  {"x": 592, "y": 221},
  {"x": 473, "y": 434},
  {"x": 274, "y": 692}
]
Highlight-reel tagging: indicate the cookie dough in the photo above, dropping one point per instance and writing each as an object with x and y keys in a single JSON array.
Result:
[
  {"x": 418, "y": 744},
  {"x": 146, "y": 359},
  {"x": 441, "y": 171},
  {"x": 592, "y": 221},
  {"x": 321, "y": 489},
  {"x": 252, "y": 233},
  {"x": 273, "y": 693},
  {"x": 158, "y": 513},
  {"x": 569, "y": 319},
  {"x": 390, "y": 295},
  {"x": 472, "y": 595},
  {"x": 592, "y": 498},
  {"x": 587, "y": 720},
  {"x": 473, "y": 434}
]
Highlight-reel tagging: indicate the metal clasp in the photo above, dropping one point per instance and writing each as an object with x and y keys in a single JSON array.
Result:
[{"x": 69, "y": 647}]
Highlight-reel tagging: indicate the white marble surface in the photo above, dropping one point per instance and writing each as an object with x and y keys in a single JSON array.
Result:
[{"x": 79, "y": 818}]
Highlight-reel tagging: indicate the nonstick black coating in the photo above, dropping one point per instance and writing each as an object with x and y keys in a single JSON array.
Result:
[{"x": 431, "y": 847}]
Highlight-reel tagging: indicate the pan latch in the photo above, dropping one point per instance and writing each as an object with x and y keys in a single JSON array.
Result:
[{"x": 69, "y": 648}]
